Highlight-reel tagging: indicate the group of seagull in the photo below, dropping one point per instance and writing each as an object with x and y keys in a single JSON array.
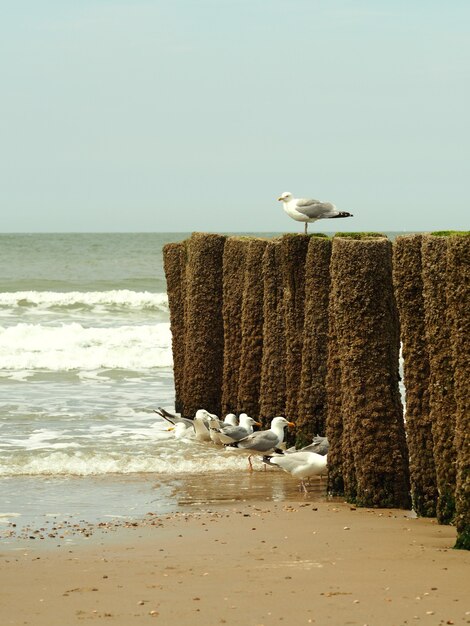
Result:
[{"x": 239, "y": 434}]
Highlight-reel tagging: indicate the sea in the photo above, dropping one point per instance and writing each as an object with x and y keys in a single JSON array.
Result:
[{"x": 85, "y": 358}]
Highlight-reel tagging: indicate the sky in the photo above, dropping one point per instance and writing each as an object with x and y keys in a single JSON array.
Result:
[{"x": 183, "y": 115}]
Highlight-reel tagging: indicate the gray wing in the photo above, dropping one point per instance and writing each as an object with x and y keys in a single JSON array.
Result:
[
  {"x": 320, "y": 447},
  {"x": 234, "y": 432},
  {"x": 261, "y": 441},
  {"x": 173, "y": 419},
  {"x": 315, "y": 208}
]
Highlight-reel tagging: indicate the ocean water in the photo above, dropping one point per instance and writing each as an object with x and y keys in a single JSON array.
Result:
[{"x": 85, "y": 357}]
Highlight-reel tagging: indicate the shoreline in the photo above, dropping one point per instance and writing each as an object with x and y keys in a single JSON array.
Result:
[{"x": 249, "y": 563}]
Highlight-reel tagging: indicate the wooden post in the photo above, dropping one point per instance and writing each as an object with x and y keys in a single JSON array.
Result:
[{"x": 408, "y": 281}]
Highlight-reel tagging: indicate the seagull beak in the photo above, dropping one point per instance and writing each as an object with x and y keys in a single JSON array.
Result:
[
  {"x": 291, "y": 425},
  {"x": 172, "y": 428},
  {"x": 280, "y": 198},
  {"x": 257, "y": 424}
]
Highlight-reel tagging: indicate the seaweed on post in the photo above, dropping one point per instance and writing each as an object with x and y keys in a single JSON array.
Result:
[
  {"x": 293, "y": 254},
  {"x": 273, "y": 365},
  {"x": 174, "y": 262},
  {"x": 408, "y": 282},
  {"x": 441, "y": 388},
  {"x": 312, "y": 399},
  {"x": 235, "y": 250},
  {"x": 204, "y": 349},
  {"x": 252, "y": 330},
  {"x": 458, "y": 302},
  {"x": 375, "y": 461}
]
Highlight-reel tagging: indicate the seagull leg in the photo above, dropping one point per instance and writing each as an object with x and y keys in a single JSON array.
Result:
[
  {"x": 303, "y": 487},
  {"x": 306, "y": 226},
  {"x": 249, "y": 463}
]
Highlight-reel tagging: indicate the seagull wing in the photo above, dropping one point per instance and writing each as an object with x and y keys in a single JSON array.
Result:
[
  {"x": 235, "y": 433},
  {"x": 315, "y": 209},
  {"x": 173, "y": 419},
  {"x": 261, "y": 441}
]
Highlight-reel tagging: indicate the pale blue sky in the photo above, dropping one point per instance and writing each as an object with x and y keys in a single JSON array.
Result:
[{"x": 180, "y": 115}]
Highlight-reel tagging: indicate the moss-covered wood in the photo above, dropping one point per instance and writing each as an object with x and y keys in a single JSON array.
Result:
[
  {"x": 252, "y": 330},
  {"x": 273, "y": 366},
  {"x": 334, "y": 413},
  {"x": 409, "y": 294},
  {"x": 293, "y": 254},
  {"x": 174, "y": 263},
  {"x": 458, "y": 303},
  {"x": 441, "y": 388},
  {"x": 366, "y": 328},
  {"x": 312, "y": 399},
  {"x": 204, "y": 330},
  {"x": 235, "y": 250}
]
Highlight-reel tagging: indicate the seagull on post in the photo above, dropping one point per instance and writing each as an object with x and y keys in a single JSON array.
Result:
[{"x": 309, "y": 210}]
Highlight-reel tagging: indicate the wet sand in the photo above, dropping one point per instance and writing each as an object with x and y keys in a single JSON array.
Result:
[{"x": 242, "y": 562}]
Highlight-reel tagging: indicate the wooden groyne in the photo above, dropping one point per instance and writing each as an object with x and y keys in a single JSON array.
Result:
[{"x": 310, "y": 328}]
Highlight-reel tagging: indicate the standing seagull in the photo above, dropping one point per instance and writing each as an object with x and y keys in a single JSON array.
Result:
[
  {"x": 300, "y": 465},
  {"x": 308, "y": 210}
]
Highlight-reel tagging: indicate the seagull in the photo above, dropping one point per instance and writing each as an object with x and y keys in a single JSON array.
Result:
[
  {"x": 266, "y": 441},
  {"x": 172, "y": 418},
  {"x": 181, "y": 431},
  {"x": 300, "y": 465},
  {"x": 231, "y": 419},
  {"x": 230, "y": 434},
  {"x": 309, "y": 210},
  {"x": 199, "y": 423},
  {"x": 320, "y": 445}
]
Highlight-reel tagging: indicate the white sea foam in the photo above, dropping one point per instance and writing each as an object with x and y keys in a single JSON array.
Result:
[
  {"x": 100, "y": 462},
  {"x": 116, "y": 298},
  {"x": 73, "y": 347}
]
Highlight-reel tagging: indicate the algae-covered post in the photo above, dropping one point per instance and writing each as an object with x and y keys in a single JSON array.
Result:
[
  {"x": 366, "y": 329},
  {"x": 334, "y": 413},
  {"x": 312, "y": 400},
  {"x": 252, "y": 330},
  {"x": 408, "y": 281},
  {"x": 441, "y": 388},
  {"x": 273, "y": 366},
  {"x": 458, "y": 302},
  {"x": 204, "y": 351},
  {"x": 174, "y": 262},
  {"x": 233, "y": 278},
  {"x": 293, "y": 253}
]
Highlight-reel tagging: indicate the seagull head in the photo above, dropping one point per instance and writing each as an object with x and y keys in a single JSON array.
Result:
[
  {"x": 286, "y": 196},
  {"x": 281, "y": 421}
]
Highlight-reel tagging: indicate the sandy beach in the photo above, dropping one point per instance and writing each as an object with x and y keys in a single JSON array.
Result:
[{"x": 243, "y": 563}]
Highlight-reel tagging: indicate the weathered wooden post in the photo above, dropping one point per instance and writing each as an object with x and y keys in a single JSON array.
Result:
[
  {"x": 235, "y": 250},
  {"x": 204, "y": 349},
  {"x": 408, "y": 281},
  {"x": 312, "y": 399},
  {"x": 441, "y": 389},
  {"x": 458, "y": 302},
  {"x": 273, "y": 366},
  {"x": 293, "y": 254},
  {"x": 252, "y": 330},
  {"x": 174, "y": 262},
  {"x": 367, "y": 339}
]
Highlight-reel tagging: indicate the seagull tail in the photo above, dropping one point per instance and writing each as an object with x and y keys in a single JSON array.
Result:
[{"x": 341, "y": 214}]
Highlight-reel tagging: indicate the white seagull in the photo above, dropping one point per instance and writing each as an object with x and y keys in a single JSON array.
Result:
[
  {"x": 266, "y": 441},
  {"x": 309, "y": 210},
  {"x": 300, "y": 465},
  {"x": 230, "y": 434}
]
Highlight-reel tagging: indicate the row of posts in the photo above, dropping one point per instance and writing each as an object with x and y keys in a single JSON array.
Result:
[{"x": 310, "y": 328}]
